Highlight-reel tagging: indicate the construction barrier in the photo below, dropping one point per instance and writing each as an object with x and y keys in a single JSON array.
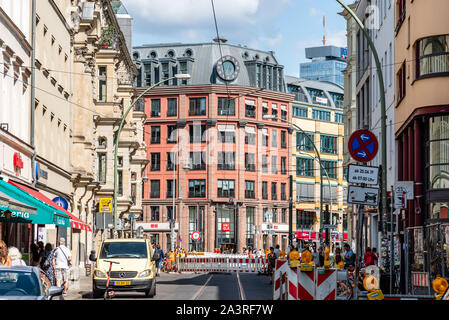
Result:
[
  {"x": 319, "y": 284},
  {"x": 306, "y": 285},
  {"x": 223, "y": 264},
  {"x": 326, "y": 284},
  {"x": 280, "y": 280}
]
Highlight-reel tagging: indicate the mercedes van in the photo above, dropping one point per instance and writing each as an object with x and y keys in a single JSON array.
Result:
[{"x": 134, "y": 267}]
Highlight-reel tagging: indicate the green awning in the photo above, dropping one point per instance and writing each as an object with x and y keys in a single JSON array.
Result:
[
  {"x": 42, "y": 213},
  {"x": 12, "y": 210}
]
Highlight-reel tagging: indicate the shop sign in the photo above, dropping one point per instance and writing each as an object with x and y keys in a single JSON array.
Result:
[
  {"x": 226, "y": 226},
  {"x": 14, "y": 214},
  {"x": 274, "y": 227},
  {"x": 165, "y": 226},
  {"x": 18, "y": 163},
  {"x": 40, "y": 172}
]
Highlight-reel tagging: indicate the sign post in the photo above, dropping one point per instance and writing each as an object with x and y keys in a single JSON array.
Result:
[{"x": 363, "y": 147}]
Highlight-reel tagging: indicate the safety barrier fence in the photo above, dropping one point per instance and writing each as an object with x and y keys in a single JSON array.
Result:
[
  {"x": 222, "y": 263},
  {"x": 294, "y": 284}
]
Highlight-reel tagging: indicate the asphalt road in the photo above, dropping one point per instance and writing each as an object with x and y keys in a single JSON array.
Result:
[{"x": 205, "y": 286}]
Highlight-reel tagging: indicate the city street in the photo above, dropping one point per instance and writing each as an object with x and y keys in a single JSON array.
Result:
[{"x": 190, "y": 286}]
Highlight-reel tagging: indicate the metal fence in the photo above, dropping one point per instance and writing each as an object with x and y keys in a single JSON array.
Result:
[{"x": 427, "y": 252}]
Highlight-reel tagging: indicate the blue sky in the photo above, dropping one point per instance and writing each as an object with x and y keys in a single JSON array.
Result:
[{"x": 283, "y": 26}]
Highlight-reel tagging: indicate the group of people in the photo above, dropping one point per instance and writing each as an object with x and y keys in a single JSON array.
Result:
[{"x": 53, "y": 263}]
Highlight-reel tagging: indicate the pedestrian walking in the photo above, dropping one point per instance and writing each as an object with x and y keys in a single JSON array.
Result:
[
  {"x": 5, "y": 260},
  {"x": 34, "y": 255},
  {"x": 16, "y": 257},
  {"x": 315, "y": 256},
  {"x": 61, "y": 263},
  {"x": 271, "y": 263},
  {"x": 338, "y": 259},
  {"x": 161, "y": 258},
  {"x": 320, "y": 257},
  {"x": 349, "y": 256},
  {"x": 368, "y": 257},
  {"x": 276, "y": 251},
  {"x": 46, "y": 259}
]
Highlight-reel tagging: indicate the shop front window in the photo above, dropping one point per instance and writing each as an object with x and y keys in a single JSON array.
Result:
[
  {"x": 225, "y": 227},
  {"x": 439, "y": 152}
]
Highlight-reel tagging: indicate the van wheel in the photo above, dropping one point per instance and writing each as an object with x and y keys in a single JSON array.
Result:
[{"x": 152, "y": 292}]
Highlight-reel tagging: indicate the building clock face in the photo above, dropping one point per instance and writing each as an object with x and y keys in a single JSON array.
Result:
[{"x": 228, "y": 68}]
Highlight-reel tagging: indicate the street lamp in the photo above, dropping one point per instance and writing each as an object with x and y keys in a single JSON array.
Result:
[
  {"x": 383, "y": 131},
  {"x": 267, "y": 116},
  {"x": 122, "y": 123}
]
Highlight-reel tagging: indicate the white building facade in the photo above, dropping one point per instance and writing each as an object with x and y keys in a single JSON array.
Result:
[{"x": 15, "y": 101}]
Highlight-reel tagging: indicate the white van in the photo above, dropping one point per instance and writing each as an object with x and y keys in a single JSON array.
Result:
[{"x": 134, "y": 267}]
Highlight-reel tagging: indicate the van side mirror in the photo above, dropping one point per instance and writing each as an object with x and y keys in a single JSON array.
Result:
[{"x": 93, "y": 256}]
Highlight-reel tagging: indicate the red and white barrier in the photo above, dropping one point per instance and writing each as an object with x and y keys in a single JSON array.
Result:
[
  {"x": 221, "y": 264},
  {"x": 318, "y": 284},
  {"x": 292, "y": 279},
  {"x": 280, "y": 280},
  {"x": 326, "y": 285},
  {"x": 306, "y": 285}
]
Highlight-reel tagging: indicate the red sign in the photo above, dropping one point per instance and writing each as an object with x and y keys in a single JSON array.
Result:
[
  {"x": 18, "y": 163},
  {"x": 195, "y": 236},
  {"x": 363, "y": 145},
  {"x": 226, "y": 226}
]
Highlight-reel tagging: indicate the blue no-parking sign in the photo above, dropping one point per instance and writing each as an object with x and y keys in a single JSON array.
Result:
[{"x": 363, "y": 145}]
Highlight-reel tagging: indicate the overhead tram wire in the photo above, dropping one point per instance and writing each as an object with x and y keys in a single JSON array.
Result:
[
  {"x": 102, "y": 115},
  {"x": 355, "y": 70}
]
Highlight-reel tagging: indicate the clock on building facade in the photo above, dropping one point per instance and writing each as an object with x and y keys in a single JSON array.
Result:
[{"x": 228, "y": 68}]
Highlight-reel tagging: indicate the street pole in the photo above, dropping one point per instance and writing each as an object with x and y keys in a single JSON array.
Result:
[
  {"x": 172, "y": 220},
  {"x": 122, "y": 123},
  {"x": 383, "y": 215},
  {"x": 359, "y": 252},
  {"x": 391, "y": 242}
]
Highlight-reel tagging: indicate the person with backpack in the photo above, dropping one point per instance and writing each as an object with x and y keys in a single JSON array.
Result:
[
  {"x": 161, "y": 258},
  {"x": 47, "y": 263},
  {"x": 368, "y": 257}
]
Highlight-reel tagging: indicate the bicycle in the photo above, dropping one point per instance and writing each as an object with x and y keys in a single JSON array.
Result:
[{"x": 109, "y": 293}]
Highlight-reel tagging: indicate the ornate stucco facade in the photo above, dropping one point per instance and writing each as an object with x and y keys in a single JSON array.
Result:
[{"x": 103, "y": 74}]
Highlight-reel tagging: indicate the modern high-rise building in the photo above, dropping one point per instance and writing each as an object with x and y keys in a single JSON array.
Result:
[
  {"x": 218, "y": 164},
  {"x": 327, "y": 64},
  {"x": 317, "y": 109}
]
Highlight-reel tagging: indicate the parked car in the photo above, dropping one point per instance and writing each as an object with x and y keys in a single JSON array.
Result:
[{"x": 26, "y": 283}]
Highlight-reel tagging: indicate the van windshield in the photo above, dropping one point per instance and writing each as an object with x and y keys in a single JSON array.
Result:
[{"x": 123, "y": 250}]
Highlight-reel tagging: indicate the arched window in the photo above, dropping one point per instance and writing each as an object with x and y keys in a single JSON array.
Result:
[{"x": 432, "y": 56}]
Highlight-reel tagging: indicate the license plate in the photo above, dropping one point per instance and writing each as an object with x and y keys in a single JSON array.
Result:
[{"x": 122, "y": 283}]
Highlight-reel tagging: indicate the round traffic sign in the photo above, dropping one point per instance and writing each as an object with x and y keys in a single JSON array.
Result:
[
  {"x": 195, "y": 236},
  {"x": 363, "y": 145}
]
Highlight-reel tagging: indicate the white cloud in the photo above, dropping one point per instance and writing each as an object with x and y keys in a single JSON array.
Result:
[{"x": 239, "y": 21}]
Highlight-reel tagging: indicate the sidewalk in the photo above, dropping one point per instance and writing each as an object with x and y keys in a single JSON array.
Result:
[{"x": 80, "y": 288}]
